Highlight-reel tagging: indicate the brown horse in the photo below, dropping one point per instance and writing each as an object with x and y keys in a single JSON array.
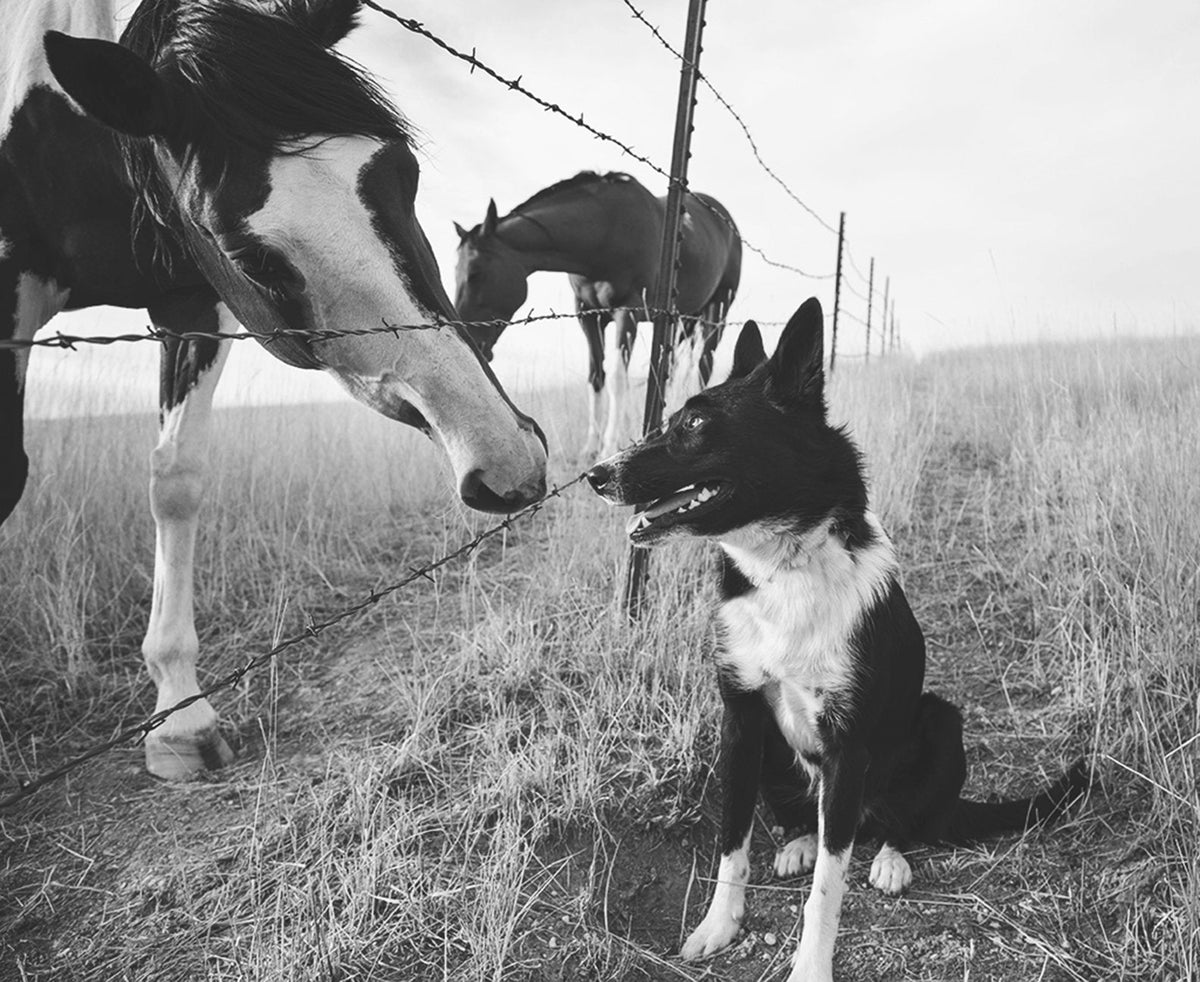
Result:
[
  {"x": 221, "y": 164},
  {"x": 605, "y": 230}
]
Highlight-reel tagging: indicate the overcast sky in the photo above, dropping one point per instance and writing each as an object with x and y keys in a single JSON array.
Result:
[{"x": 1020, "y": 169}]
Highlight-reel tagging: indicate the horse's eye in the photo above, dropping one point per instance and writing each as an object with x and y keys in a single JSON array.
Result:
[
  {"x": 262, "y": 267},
  {"x": 693, "y": 422}
]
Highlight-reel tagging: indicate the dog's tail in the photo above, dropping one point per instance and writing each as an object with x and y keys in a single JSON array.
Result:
[{"x": 973, "y": 820}]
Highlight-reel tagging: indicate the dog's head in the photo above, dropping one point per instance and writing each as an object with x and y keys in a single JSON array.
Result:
[{"x": 755, "y": 449}]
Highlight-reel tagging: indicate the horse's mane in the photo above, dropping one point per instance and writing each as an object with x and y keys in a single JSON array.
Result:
[
  {"x": 252, "y": 80},
  {"x": 583, "y": 177}
]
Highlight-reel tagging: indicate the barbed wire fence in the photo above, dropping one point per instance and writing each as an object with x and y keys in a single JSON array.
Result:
[{"x": 30, "y": 784}]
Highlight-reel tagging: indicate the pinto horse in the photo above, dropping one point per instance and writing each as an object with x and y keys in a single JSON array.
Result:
[
  {"x": 220, "y": 164},
  {"x": 605, "y": 230}
]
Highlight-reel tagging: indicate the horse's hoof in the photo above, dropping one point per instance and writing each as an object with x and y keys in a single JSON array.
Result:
[{"x": 176, "y": 758}]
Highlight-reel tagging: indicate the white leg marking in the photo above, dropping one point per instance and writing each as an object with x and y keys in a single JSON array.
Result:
[
  {"x": 797, "y": 856},
  {"x": 188, "y": 741},
  {"x": 618, "y": 430},
  {"x": 684, "y": 381},
  {"x": 890, "y": 871},
  {"x": 724, "y": 918},
  {"x": 595, "y": 424}
]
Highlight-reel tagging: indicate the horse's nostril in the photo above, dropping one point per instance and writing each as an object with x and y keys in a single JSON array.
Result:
[
  {"x": 599, "y": 477},
  {"x": 476, "y": 494}
]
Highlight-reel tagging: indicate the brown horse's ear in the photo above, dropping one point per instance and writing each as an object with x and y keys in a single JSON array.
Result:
[
  {"x": 327, "y": 21},
  {"x": 462, "y": 232},
  {"x": 748, "y": 354},
  {"x": 491, "y": 218}
]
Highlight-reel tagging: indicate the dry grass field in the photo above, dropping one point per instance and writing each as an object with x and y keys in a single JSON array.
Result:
[{"x": 494, "y": 776}]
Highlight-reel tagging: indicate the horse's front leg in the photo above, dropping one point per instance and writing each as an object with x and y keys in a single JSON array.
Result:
[
  {"x": 593, "y": 331},
  {"x": 620, "y": 427},
  {"x": 189, "y": 740}
]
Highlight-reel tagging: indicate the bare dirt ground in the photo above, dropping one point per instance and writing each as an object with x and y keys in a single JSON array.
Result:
[{"x": 102, "y": 876}]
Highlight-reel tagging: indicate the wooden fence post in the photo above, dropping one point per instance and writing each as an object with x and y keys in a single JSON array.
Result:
[
  {"x": 837, "y": 291},
  {"x": 870, "y": 297},
  {"x": 664, "y": 293}
]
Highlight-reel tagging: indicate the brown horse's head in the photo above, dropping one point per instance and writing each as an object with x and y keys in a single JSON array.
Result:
[{"x": 490, "y": 281}]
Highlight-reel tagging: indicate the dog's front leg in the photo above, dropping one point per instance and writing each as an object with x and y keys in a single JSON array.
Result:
[
  {"x": 838, "y": 812},
  {"x": 739, "y": 771}
]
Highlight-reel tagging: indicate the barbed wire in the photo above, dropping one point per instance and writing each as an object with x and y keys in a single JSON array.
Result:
[
  {"x": 71, "y": 341},
  {"x": 514, "y": 84},
  {"x": 312, "y": 630},
  {"x": 738, "y": 119}
]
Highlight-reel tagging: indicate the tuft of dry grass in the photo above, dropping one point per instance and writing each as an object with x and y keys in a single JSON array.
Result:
[{"x": 495, "y": 776}]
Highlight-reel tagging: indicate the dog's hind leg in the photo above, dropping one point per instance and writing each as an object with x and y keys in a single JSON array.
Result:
[
  {"x": 924, "y": 793},
  {"x": 740, "y": 767}
]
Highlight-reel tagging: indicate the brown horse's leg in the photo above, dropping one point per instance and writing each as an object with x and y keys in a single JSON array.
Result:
[
  {"x": 189, "y": 740},
  {"x": 27, "y": 302},
  {"x": 619, "y": 429},
  {"x": 593, "y": 330}
]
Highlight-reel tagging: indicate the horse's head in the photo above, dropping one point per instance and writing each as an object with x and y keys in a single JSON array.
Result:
[
  {"x": 289, "y": 181},
  {"x": 489, "y": 281}
]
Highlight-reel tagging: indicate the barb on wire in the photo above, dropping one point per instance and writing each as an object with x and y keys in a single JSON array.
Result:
[
  {"x": 738, "y": 119},
  {"x": 311, "y": 630},
  {"x": 514, "y": 84}
]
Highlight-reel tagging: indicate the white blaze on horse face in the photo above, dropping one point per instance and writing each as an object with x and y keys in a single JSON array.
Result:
[
  {"x": 315, "y": 215},
  {"x": 22, "y": 63}
]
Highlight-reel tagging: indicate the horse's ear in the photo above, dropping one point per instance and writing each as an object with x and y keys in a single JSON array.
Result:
[
  {"x": 462, "y": 232},
  {"x": 110, "y": 83},
  {"x": 328, "y": 21},
  {"x": 796, "y": 371},
  {"x": 748, "y": 353},
  {"x": 490, "y": 219}
]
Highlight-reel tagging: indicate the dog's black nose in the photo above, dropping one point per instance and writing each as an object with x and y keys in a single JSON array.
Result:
[{"x": 600, "y": 477}]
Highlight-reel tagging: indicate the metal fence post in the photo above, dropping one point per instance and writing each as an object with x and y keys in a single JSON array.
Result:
[
  {"x": 837, "y": 290},
  {"x": 664, "y": 295},
  {"x": 870, "y": 298},
  {"x": 887, "y": 282}
]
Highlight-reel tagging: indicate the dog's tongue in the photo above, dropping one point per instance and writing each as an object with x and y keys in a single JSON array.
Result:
[{"x": 670, "y": 503}]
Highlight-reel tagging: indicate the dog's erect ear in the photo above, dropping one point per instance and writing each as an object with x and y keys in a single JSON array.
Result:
[
  {"x": 110, "y": 83},
  {"x": 796, "y": 370},
  {"x": 490, "y": 219},
  {"x": 748, "y": 353},
  {"x": 328, "y": 21}
]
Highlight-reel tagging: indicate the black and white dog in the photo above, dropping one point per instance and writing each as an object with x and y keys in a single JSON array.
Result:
[{"x": 821, "y": 663}]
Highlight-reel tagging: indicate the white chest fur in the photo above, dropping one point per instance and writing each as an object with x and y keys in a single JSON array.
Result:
[{"x": 790, "y": 635}]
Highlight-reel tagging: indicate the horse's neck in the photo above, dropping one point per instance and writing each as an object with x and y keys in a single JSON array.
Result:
[
  {"x": 557, "y": 239},
  {"x": 22, "y": 61}
]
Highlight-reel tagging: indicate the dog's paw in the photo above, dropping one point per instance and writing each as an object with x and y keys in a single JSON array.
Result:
[
  {"x": 712, "y": 934},
  {"x": 890, "y": 872},
  {"x": 797, "y": 856},
  {"x": 807, "y": 973}
]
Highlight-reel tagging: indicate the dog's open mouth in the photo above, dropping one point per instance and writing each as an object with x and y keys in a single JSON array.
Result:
[{"x": 680, "y": 506}]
